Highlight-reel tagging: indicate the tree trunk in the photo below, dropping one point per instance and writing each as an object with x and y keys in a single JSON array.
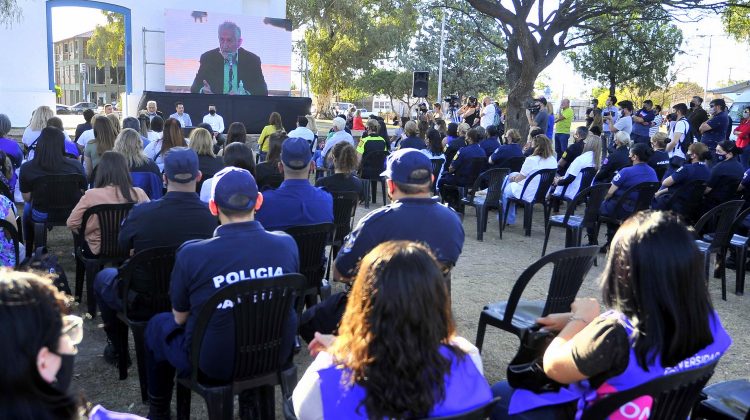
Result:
[{"x": 521, "y": 87}]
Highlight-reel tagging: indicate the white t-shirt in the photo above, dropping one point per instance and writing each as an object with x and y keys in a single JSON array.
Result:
[
  {"x": 488, "y": 116},
  {"x": 303, "y": 132},
  {"x": 86, "y": 137},
  {"x": 205, "y": 193},
  {"x": 585, "y": 160},
  {"x": 625, "y": 124},
  {"x": 216, "y": 122},
  {"x": 682, "y": 126},
  {"x": 531, "y": 165}
]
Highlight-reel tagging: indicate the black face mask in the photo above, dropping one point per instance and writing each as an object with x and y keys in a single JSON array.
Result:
[
  {"x": 64, "y": 376},
  {"x": 212, "y": 112},
  {"x": 692, "y": 104}
]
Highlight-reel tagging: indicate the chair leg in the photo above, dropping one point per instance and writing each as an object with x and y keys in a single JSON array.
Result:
[
  {"x": 121, "y": 332},
  {"x": 721, "y": 258},
  {"x": 739, "y": 288},
  {"x": 80, "y": 275},
  {"x": 382, "y": 187},
  {"x": 40, "y": 235},
  {"x": 220, "y": 403},
  {"x": 481, "y": 212},
  {"x": 547, "y": 228},
  {"x": 91, "y": 270},
  {"x": 481, "y": 328},
  {"x": 140, "y": 355},
  {"x": 528, "y": 212},
  {"x": 184, "y": 395},
  {"x": 500, "y": 216}
]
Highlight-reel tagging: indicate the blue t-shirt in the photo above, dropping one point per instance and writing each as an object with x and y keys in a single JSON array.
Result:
[
  {"x": 489, "y": 145},
  {"x": 462, "y": 163},
  {"x": 506, "y": 151},
  {"x": 412, "y": 143},
  {"x": 414, "y": 219},
  {"x": 689, "y": 172},
  {"x": 631, "y": 176},
  {"x": 238, "y": 251},
  {"x": 295, "y": 203},
  {"x": 719, "y": 125},
  {"x": 639, "y": 128}
]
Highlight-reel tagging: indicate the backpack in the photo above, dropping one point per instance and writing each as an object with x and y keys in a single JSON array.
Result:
[
  {"x": 689, "y": 137},
  {"x": 42, "y": 261}
]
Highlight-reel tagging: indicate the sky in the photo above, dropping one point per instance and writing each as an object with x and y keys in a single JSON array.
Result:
[{"x": 71, "y": 21}]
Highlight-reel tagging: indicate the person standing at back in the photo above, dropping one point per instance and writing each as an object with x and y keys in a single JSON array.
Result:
[
  {"x": 274, "y": 125},
  {"x": 642, "y": 121},
  {"x": 696, "y": 116},
  {"x": 488, "y": 112},
  {"x": 562, "y": 127},
  {"x": 715, "y": 129},
  {"x": 295, "y": 202}
]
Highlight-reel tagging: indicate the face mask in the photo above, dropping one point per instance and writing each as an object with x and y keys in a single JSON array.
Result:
[
  {"x": 746, "y": 114},
  {"x": 692, "y": 104},
  {"x": 721, "y": 158},
  {"x": 65, "y": 375},
  {"x": 212, "y": 112}
]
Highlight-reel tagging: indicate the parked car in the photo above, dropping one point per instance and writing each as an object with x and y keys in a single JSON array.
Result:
[
  {"x": 62, "y": 109},
  {"x": 79, "y": 107},
  {"x": 735, "y": 110},
  {"x": 364, "y": 113}
]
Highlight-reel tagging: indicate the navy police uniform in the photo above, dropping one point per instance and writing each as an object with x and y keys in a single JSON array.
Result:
[
  {"x": 624, "y": 180},
  {"x": 505, "y": 152},
  {"x": 489, "y": 145},
  {"x": 461, "y": 176},
  {"x": 723, "y": 181},
  {"x": 412, "y": 143},
  {"x": 659, "y": 161},
  {"x": 617, "y": 159},
  {"x": 570, "y": 154},
  {"x": 681, "y": 177},
  {"x": 452, "y": 149},
  {"x": 295, "y": 203}
]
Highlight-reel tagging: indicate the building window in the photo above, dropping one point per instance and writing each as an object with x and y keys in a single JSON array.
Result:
[{"x": 100, "y": 79}]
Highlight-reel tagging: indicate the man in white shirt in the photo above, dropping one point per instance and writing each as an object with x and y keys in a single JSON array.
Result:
[
  {"x": 339, "y": 135},
  {"x": 678, "y": 131},
  {"x": 215, "y": 120},
  {"x": 181, "y": 116},
  {"x": 302, "y": 131},
  {"x": 625, "y": 122},
  {"x": 488, "y": 112}
]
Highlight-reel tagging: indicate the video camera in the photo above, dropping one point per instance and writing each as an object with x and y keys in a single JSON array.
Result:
[
  {"x": 452, "y": 101},
  {"x": 422, "y": 108},
  {"x": 533, "y": 106}
]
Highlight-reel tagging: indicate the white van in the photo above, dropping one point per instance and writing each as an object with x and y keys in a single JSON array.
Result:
[{"x": 740, "y": 101}]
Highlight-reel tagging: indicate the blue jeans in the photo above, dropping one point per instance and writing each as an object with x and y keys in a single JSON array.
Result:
[
  {"x": 105, "y": 287},
  {"x": 29, "y": 217},
  {"x": 561, "y": 143},
  {"x": 505, "y": 391},
  {"x": 510, "y": 211}
]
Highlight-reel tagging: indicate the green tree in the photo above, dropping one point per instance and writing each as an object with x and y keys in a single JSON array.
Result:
[
  {"x": 10, "y": 12},
  {"x": 640, "y": 56},
  {"x": 736, "y": 20},
  {"x": 343, "y": 42},
  {"x": 107, "y": 44}
]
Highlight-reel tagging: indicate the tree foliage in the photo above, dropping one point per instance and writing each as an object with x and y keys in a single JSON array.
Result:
[
  {"x": 640, "y": 56},
  {"x": 344, "y": 42},
  {"x": 736, "y": 20},
  {"x": 10, "y": 12},
  {"x": 107, "y": 44}
]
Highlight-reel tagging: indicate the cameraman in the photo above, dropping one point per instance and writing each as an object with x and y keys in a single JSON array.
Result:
[
  {"x": 537, "y": 114},
  {"x": 470, "y": 111}
]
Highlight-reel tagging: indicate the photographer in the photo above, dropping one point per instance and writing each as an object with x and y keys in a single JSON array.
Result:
[
  {"x": 470, "y": 111},
  {"x": 609, "y": 111},
  {"x": 537, "y": 114}
]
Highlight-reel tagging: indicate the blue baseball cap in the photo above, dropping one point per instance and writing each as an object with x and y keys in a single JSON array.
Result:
[
  {"x": 181, "y": 164},
  {"x": 408, "y": 166},
  {"x": 295, "y": 153},
  {"x": 234, "y": 189}
]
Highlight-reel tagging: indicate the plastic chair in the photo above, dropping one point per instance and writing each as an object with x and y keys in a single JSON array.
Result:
[
  {"x": 673, "y": 395},
  {"x": 739, "y": 244},
  {"x": 644, "y": 193},
  {"x": 373, "y": 163},
  {"x": 344, "y": 209},
  {"x": 55, "y": 195},
  {"x": 110, "y": 218},
  {"x": 687, "y": 200},
  {"x": 570, "y": 267},
  {"x": 726, "y": 400},
  {"x": 144, "y": 281},
  {"x": 587, "y": 178},
  {"x": 311, "y": 242},
  {"x": 9, "y": 229},
  {"x": 479, "y": 413},
  {"x": 476, "y": 166},
  {"x": 493, "y": 180},
  {"x": 719, "y": 220},
  {"x": 260, "y": 311},
  {"x": 546, "y": 176},
  {"x": 574, "y": 225}
]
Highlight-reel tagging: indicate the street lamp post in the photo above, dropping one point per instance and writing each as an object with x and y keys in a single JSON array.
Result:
[{"x": 440, "y": 68}]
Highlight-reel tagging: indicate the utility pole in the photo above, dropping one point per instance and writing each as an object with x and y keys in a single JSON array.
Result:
[{"x": 440, "y": 68}]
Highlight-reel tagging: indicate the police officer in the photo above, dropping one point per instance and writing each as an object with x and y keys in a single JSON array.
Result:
[
  {"x": 491, "y": 142},
  {"x": 456, "y": 144},
  {"x": 296, "y": 202},
  {"x": 573, "y": 151},
  {"x": 460, "y": 170},
  {"x": 616, "y": 160},
  {"x": 241, "y": 250},
  {"x": 725, "y": 174},
  {"x": 412, "y": 215},
  {"x": 696, "y": 169},
  {"x": 626, "y": 178},
  {"x": 659, "y": 159},
  {"x": 177, "y": 217}
]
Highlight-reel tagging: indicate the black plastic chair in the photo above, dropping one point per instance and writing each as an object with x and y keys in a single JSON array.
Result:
[
  {"x": 644, "y": 196},
  {"x": 546, "y": 176},
  {"x": 144, "y": 281},
  {"x": 719, "y": 222},
  {"x": 437, "y": 168},
  {"x": 574, "y": 225},
  {"x": 673, "y": 395},
  {"x": 110, "y": 218},
  {"x": 493, "y": 181},
  {"x": 479, "y": 413},
  {"x": 587, "y": 178},
  {"x": 514, "y": 164},
  {"x": 311, "y": 243},
  {"x": 260, "y": 312},
  {"x": 10, "y": 230},
  {"x": 728, "y": 400},
  {"x": 373, "y": 163},
  {"x": 687, "y": 200},
  {"x": 476, "y": 167},
  {"x": 570, "y": 267},
  {"x": 739, "y": 244},
  {"x": 344, "y": 209},
  {"x": 55, "y": 195}
]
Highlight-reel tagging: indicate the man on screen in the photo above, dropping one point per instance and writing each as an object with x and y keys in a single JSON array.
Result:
[{"x": 229, "y": 69}]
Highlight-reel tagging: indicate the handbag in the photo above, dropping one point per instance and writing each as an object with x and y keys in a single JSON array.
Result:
[
  {"x": 526, "y": 369},
  {"x": 43, "y": 261}
]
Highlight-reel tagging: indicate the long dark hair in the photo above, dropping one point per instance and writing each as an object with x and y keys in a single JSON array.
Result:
[
  {"x": 50, "y": 149},
  {"x": 240, "y": 156},
  {"x": 236, "y": 133},
  {"x": 172, "y": 136},
  {"x": 397, "y": 318},
  {"x": 115, "y": 172},
  {"x": 31, "y": 312},
  {"x": 275, "y": 141},
  {"x": 435, "y": 141},
  {"x": 654, "y": 275},
  {"x": 104, "y": 134}
]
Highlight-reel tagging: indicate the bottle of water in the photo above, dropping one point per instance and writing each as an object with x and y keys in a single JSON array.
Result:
[{"x": 241, "y": 88}]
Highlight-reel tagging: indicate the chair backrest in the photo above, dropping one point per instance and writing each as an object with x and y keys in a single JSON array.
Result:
[
  {"x": 57, "y": 195},
  {"x": 514, "y": 164},
  {"x": 151, "y": 184},
  {"x": 110, "y": 218},
  {"x": 311, "y": 243},
  {"x": 587, "y": 177},
  {"x": 344, "y": 209},
  {"x": 644, "y": 195},
  {"x": 725, "y": 190},
  {"x": 719, "y": 221},
  {"x": 492, "y": 180},
  {"x": 570, "y": 267},
  {"x": 660, "y": 170},
  {"x": 479, "y": 413},
  {"x": 673, "y": 396},
  {"x": 593, "y": 197},
  {"x": 10, "y": 230},
  {"x": 546, "y": 176},
  {"x": 147, "y": 275},
  {"x": 260, "y": 309},
  {"x": 737, "y": 226},
  {"x": 687, "y": 199},
  {"x": 373, "y": 163}
]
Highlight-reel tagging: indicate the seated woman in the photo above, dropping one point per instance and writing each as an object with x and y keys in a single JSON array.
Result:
[
  {"x": 412, "y": 364},
  {"x": 155, "y": 129},
  {"x": 235, "y": 154},
  {"x": 202, "y": 142},
  {"x": 725, "y": 176},
  {"x": 528, "y": 147},
  {"x": 344, "y": 163},
  {"x": 104, "y": 140},
  {"x": 590, "y": 158},
  {"x": 461, "y": 171},
  {"x": 237, "y": 133},
  {"x": 357, "y": 121},
  {"x": 510, "y": 147},
  {"x": 268, "y": 174},
  {"x": 616, "y": 160},
  {"x": 171, "y": 137},
  {"x": 143, "y": 171},
  {"x": 660, "y": 322},
  {"x": 71, "y": 148},
  {"x": 697, "y": 169},
  {"x": 49, "y": 161},
  {"x": 542, "y": 157},
  {"x": 112, "y": 185}
]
